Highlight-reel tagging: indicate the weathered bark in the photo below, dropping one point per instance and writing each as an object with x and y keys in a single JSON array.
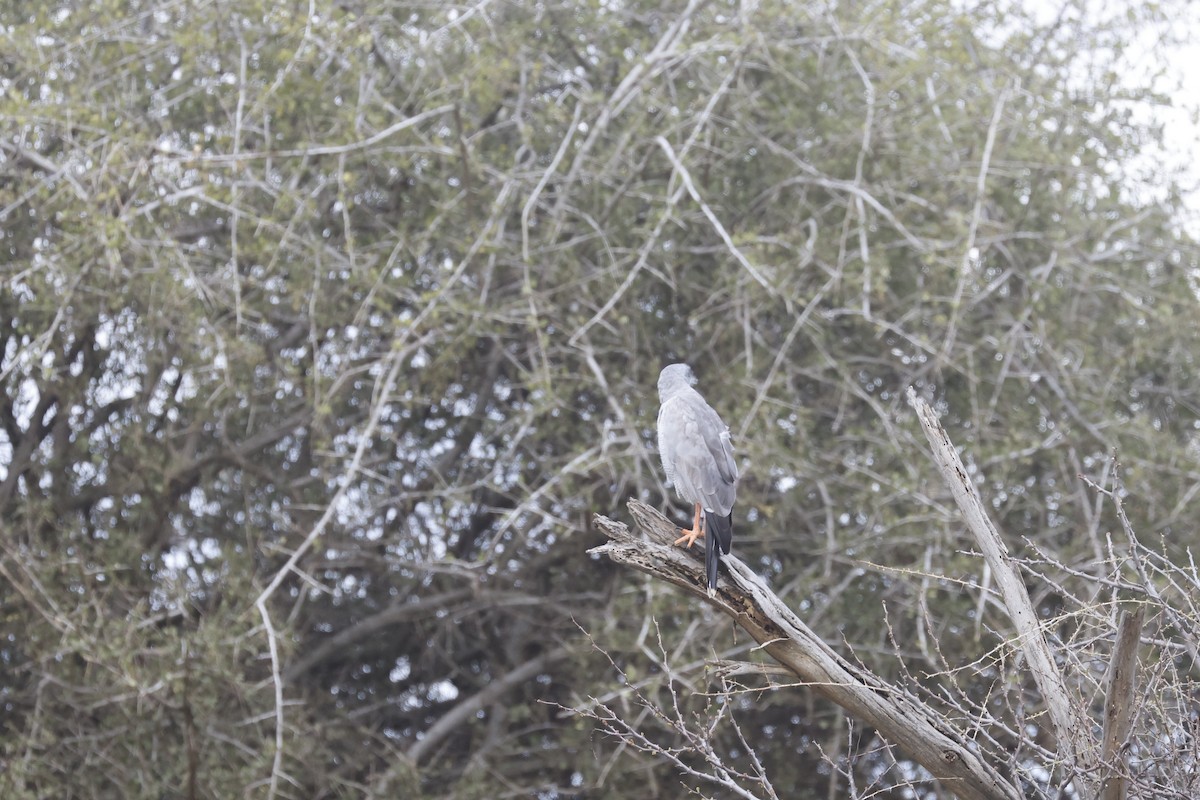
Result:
[
  {"x": 1118, "y": 704},
  {"x": 915, "y": 728}
]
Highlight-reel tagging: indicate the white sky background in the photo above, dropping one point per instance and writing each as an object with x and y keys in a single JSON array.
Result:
[
  {"x": 1164, "y": 56},
  {"x": 1182, "y": 122},
  {"x": 1175, "y": 51}
]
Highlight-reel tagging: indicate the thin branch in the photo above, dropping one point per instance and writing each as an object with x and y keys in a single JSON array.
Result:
[
  {"x": 384, "y": 391},
  {"x": 715, "y": 222},
  {"x": 323, "y": 150},
  {"x": 626, "y": 91},
  {"x": 347, "y": 482},
  {"x": 55, "y": 171},
  {"x": 466, "y": 709},
  {"x": 985, "y": 164},
  {"x": 527, "y": 210},
  {"x": 277, "y": 681},
  {"x": 1138, "y": 559},
  {"x": 348, "y": 637},
  {"x": 666, "y": 214}
]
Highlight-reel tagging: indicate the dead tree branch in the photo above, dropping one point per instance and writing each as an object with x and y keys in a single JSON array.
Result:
[
  {"x": 919, "y": 730},
  {"x": 1070, "y": 725},
  {"x": 1119, "y": 704}
]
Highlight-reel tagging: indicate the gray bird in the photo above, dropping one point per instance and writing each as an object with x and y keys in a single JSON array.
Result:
[{"x": 698, "y": 458}]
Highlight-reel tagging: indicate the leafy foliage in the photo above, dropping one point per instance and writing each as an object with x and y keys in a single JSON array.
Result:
[{"x": 386, "y": 287}]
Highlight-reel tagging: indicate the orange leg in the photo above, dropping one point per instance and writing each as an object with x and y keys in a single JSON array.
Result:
[{"x": 695, "y": 533}]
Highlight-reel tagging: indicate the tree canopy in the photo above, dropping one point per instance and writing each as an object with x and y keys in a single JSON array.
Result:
[{"x": 326, "y": 330}]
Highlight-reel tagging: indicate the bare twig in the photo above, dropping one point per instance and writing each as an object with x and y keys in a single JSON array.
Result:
[
  {"x": 666, "y": 214},
  {"x": 715, "y": 222},
  {"x": 277, "y": 681},
  {"x": 698, "y": 738},
  {"x": 382, "y": 397},
  {"x": 626, "y": 91},
  {"x": 976, "y": 215},
  {"x": 531, "y": 201},
  {"x": 1137, "y": 556},
  {"x": 321, "y": 150}
]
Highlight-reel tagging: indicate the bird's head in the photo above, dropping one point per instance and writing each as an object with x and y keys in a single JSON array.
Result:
[{"x": 674, "y": 378}]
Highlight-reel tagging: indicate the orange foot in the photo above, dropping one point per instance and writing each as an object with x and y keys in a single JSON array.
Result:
[{"x": 695, "y": 533}]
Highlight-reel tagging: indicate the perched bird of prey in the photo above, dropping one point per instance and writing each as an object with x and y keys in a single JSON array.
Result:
[{"x": 698, "y": 458}]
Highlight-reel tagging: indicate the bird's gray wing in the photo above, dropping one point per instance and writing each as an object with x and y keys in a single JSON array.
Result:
[
  {"x": 720, "y": 446},
  {"x": 702, "y": 455}
]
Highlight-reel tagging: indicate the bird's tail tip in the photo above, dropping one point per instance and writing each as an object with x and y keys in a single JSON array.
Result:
[{"x": 722, "y": 527}]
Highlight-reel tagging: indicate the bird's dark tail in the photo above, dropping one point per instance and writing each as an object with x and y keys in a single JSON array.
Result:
[{"x": 718, "y": 538}]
